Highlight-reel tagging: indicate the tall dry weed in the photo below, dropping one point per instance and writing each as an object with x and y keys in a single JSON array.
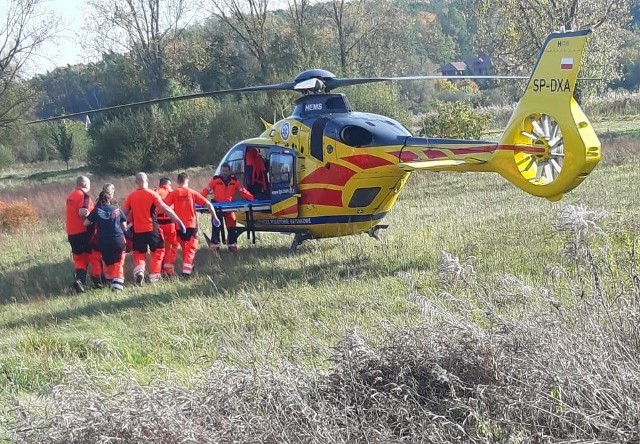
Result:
[
  {"x": 505, "y": 363},
  {"x": 15, "y": 215}
]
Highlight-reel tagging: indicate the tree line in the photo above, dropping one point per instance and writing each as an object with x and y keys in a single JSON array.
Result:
[{"x": 152, "y": 49}]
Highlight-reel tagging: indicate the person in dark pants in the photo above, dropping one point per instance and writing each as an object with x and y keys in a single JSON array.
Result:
[
  {"x": 224, "y": 188},
  {"x": 78, "y": 206},
  {"x": 110, "y": 223},
  {"x": 142, "y": 205}
]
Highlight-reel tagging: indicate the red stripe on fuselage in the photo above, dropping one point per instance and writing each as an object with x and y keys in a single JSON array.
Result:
[
  {"x": 523, "y": 148},
  {"x": 405, "y": 156},
  {"x": 366, "y": 161},
  {"x": 332, "y": 174},
  {"x": 434, "y": 152},
  {"x": 321, "y": 196}
]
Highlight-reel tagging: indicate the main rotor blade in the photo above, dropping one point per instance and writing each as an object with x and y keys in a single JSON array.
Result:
[
  {"x": 338, "y": 82},
  {"x": 285, "y": 86},
  {"x": 335, "y": 83}
]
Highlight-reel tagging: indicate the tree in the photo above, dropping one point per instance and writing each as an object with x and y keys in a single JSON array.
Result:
[
  {"x": 249, "y": 21},
  {"x": 24, "y": 27},
  {"x": 303, "y": 21},
  {"x": 513, "y": 31},
  {"x": 142, "y": 29},
  {"x": 368, "y": 35},
  {"x": 63, "y": 141}
]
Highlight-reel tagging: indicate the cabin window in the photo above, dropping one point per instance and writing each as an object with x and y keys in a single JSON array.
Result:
[
  {"x": 362, "y": 197},
  {"x": 281, "y": 170},
  {"x": 235, "y": 159},
  {"x": 355, "y": 136}
]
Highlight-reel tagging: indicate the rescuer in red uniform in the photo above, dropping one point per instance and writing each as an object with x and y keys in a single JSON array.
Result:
[
  {"x": 110, "y": 225},
  {"x": 224, "y": 188},
  {"x": 79, "y": 205},
  {"x": 184, "y": 200},
  {"x": 142, "y": 205},
  {"x": 168, "y": 228}
]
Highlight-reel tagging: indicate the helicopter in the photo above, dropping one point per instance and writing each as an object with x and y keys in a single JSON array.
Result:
[{"x": 332, "y": 171}]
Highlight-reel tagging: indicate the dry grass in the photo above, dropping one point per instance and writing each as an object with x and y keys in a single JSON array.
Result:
[
  {"x": 48, "y": 197},
  {"x": 555, "y": 376},
  {"x": 494, "y": 360}
]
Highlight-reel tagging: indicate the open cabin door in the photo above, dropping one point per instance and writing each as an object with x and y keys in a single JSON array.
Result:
[{"x": 284, "y": 189}]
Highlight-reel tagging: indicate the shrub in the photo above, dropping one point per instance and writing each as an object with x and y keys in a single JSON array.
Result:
[
  {"x": 14, "y": 215},
  {"x": 457, "y": 119},
  {"x": 137, "y": 141},
  {"x": 379, "y": 98},
  {"x": 6, "y": 157}
]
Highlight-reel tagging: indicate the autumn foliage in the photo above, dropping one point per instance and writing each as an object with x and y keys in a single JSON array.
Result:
[{"x": 15, "y": 215}]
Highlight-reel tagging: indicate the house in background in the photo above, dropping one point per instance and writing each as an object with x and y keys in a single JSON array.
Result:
[
  {"x": 452, "y": 69},
  {"x": 479, "y": 65}
]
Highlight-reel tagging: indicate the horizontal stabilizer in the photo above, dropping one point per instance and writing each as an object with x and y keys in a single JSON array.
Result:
[{"x": 436, "y": 165}]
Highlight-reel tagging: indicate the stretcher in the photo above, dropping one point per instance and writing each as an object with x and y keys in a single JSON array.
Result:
[
  {"x": 248, "y": 206},
  {"x": 243, "y": 206}
]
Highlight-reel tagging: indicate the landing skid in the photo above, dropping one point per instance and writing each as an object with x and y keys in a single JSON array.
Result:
[
  {"x": 375, "y": 231},
  {"x": 298, "y": 239}
]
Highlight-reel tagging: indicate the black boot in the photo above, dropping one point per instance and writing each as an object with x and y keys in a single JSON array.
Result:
[
  {"x": 79, "y": 280},
  {"x": 97, "y": 281}
]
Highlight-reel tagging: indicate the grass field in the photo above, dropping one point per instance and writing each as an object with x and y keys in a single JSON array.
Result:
[{"x": 484, "y": 315}]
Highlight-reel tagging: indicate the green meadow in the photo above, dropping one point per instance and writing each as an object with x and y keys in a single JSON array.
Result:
[{"x": 483, "y": 315}]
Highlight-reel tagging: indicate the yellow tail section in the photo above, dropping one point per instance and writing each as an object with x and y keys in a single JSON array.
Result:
[{"x": 562, "y": 145}]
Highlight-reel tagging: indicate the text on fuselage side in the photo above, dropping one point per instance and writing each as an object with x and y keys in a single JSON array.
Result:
[{"x": 551, "y": 85}]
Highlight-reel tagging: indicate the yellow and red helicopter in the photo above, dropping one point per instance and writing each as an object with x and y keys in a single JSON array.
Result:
[{"x": 333, "y": 172}]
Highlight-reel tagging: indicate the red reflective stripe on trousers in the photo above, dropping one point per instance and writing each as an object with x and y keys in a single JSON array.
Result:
[{"x": 139, "y": 262}]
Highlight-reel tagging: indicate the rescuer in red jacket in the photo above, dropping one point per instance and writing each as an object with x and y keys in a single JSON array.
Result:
[
  {"x": 142, "y": 205},
  {"x": 79, "y": 205},
  {"x": 256, "y": 173},
  {"x": 224, "y": 188},
  {"x": 168, "y": 228},
  {"x": 184, "y": 201}
]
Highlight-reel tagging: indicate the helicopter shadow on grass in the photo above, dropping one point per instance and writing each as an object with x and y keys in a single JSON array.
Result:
[{"x": 228, "y": 272}]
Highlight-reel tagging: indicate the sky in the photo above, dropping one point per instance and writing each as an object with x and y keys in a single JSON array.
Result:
[{"x": 67, "y": 49}]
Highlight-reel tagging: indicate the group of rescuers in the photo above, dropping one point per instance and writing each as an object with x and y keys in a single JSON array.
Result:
[{"x": 151, "y": 220}]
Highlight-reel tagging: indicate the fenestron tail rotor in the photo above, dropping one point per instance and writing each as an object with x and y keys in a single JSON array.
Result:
[{"x": 543, "y": 131}]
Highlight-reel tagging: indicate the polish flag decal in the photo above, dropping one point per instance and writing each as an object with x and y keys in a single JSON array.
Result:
[{"x": 566, "y": 63}]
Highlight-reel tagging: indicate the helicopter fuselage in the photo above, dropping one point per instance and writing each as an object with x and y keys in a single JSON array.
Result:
[{"x": 334, "y": 172}]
